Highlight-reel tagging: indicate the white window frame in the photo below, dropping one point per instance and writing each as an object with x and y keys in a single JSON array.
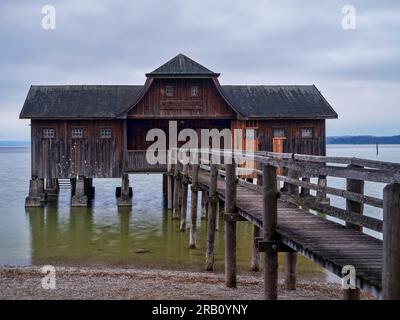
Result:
[
  {"x": 49, "y": 133},
  {"x": 307, "y": 133},
  {"x": 105, "y": 133},
  {"x": 194, "y": 91},
  {"x": 169, "y": 90},
  {"x": 77, "y": 133}
]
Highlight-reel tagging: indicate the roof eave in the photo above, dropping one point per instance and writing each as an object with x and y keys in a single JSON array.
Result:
[
  {"x": 182, "y": 75},
  {"x": 293, "y": 117}
]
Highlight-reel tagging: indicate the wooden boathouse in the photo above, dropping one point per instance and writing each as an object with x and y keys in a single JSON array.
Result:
[
  {"x": 85, "y": 132},
  {"x": 93, "y": 131}
]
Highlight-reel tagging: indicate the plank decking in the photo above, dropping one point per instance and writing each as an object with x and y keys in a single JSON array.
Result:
[{"x": 325, "y": 242}]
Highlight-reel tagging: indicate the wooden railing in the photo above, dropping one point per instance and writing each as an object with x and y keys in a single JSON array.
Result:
[
  {"x": 138, "y": 161},
  {"x": 294, "y": 187}
]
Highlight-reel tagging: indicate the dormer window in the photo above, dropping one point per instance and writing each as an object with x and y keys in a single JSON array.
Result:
[
  {"x": 169, "y": 91},
  {"x": 194, "y": 91}
]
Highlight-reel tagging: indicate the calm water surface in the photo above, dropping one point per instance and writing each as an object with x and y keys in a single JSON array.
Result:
[{"x": 144, "y": 236}]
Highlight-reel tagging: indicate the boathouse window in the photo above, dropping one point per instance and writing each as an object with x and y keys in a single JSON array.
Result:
[
  {"x": 169, "y": 91},
  {"x": 194, "y": 91},
  {"x": 77, "y": 133},
  {"x": 105, "y": 133},
  {"x": 306, "y": 133},
  {"x": 49, "y": 133},
  {"x": 279, "y": 132},
  {"x": 250, "y": 133}
]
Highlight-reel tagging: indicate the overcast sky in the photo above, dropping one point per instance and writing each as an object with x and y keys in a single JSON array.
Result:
[{"x": 248, "y": 42}]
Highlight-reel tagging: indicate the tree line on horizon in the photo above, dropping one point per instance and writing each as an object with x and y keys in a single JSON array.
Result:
[{"x": 363, "y": 140}]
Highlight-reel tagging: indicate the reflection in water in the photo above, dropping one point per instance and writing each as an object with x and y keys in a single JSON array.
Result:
[{"x": 143, "y": 236}]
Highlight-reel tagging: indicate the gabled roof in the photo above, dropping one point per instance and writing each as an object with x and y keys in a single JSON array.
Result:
[
  {"x": 305, "y": 102},
  {"x": 110, "y": 102},
  {"x": 78, "y": 102},
  {"x": 113, "y": 102},
  {"x": 182, "y": 66}
]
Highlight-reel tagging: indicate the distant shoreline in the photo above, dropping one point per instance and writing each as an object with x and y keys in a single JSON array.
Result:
[{"x": 363, "y": 140}]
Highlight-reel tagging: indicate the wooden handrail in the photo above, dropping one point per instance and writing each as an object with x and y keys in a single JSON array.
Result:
[{"x": 354, "y": 170}]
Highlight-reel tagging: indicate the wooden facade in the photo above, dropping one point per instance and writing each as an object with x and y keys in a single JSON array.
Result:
[
  {"x": 207, "y": 104},
  {"x": 66, "y": 157}
]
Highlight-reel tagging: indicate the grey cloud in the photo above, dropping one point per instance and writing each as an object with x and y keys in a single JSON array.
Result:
[{"x": 259, "y": 42}]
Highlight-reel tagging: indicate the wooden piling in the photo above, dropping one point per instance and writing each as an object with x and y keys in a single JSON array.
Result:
[
  {"x": 193, "y": 205},
  {"x": 73, "y": 186},
  {"x": 212, "y": 211},
  {"x": 124, "y": 198},
  {"x": 217, "y": 217},
  {"x": 291, "y": 257},
  {"x": 51, "y": 188},
  {"x": 230, "y": 226},
  {"x": 270, "y": 219},
  {"x": 170, "y": 194},
  {"x": 204, "y": 205},
  {"x": 255, "y": 257},
  {"x": 185, "y": 183},
  {"x": 177, "y": 187},
  {"x": 80, "y": 198},
  {"x": 356, "y": 186},
  {"x": 391, "y": 243},
  {"x": 33, "y": 199}
]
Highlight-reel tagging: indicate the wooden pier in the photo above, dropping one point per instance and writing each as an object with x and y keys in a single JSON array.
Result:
[{"x": 292, "y": 214}]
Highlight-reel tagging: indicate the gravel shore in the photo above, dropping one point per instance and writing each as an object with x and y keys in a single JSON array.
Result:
[{"x": 118, "y": 283}]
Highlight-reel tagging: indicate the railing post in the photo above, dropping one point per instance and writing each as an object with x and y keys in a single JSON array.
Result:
[
  {"x": 177, "y": 187},
  {"x": 305, "y": 192},
  {"x": 193, "y": 205},
  {"x": 321, "y": 195},
  {"x": 270, "y": 217},
  {"x": 212, "y": 212},
  {"x": 356, "y": 186},
  {"x": 291, "y": 257},
  {"x": 230, "y": 225},
  {"x": 185, "y": 183},
  {"x": 391, "y": 242}
]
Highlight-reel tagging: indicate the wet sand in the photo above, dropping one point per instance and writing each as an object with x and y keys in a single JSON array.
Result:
[{"x": 117, "y": 283}]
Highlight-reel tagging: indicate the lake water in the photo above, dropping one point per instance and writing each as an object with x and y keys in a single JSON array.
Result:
[{"x": 144, "y": 236}]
